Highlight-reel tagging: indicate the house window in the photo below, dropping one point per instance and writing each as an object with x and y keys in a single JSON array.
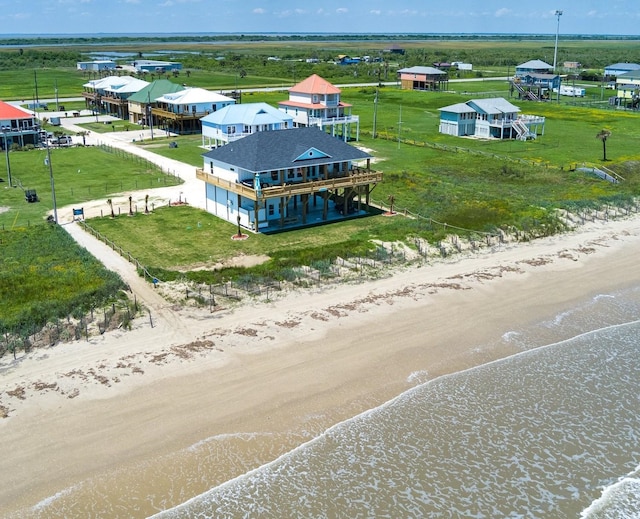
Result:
[
  {"x": 290, "y": 174},
  {"x": 274, "y": 175},
  {"x": 230, "y": 130},
  {"x": 271, "y": 210},
  {"x": 315, "y": 98}
]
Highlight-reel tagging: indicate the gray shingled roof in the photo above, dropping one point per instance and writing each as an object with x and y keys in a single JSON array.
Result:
[{"x": 279, "y": 149}]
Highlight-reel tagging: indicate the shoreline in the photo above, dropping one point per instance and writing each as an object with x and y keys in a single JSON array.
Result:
[{"x": 309, "y": 359}]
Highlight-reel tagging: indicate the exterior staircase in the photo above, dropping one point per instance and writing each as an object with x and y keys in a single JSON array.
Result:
[
  {"x": 525, "y": 93},
  {"x": 603, "y": 172},
  {"x": 522, "y": 130}
]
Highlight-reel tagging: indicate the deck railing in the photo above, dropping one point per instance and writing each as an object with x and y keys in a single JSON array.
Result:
[{"x": 354, "y": 177}]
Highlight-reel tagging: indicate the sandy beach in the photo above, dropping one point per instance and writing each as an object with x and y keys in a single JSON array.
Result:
[{"x": 277, "y": 372}]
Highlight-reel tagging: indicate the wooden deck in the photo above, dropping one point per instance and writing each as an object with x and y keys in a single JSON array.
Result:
[{"x": 354, "y": 178}]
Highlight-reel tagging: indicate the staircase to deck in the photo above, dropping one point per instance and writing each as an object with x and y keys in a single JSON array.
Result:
[
  {"x": 522, "y": 130},
  {"x": 527, "y": 94}
]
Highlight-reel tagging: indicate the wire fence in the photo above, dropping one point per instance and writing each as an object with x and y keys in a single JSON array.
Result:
[
  {"x": 80, "y": 324},
  {"x": 119, "y": 152},
  {"x": 453, "y": 149},
  {"x": 125, "y": 254}
]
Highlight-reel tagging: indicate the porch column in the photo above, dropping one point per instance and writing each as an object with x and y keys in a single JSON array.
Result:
[
  {"x": 282, "y": 210},
  {"x": 325, "y": 205},
  {"x": 255, "y": 215},
  {"x": 304, "y": 199}
]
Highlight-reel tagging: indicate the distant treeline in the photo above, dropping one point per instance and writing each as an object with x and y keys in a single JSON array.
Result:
[{"x": 195, "y": 38}]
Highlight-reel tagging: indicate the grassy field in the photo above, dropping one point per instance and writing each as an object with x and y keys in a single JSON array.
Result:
[
  {"x": 512, "y": 183},
  {"x": 473, "y": 184},
  {"x": 186, "y": 241},
  {"x": 80, "y": 174},
  {"x": 46, "y": 276},
  {"x": 570, "y": 131}
]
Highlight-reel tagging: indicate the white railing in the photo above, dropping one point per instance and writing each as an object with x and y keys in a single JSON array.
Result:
[
  {"x": 532, "y": 119},
  {"x": 329, "y": 121}
]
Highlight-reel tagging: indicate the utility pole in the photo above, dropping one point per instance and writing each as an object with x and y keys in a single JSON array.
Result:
[
  {"x": 35, "y": 79},
  {"x": 375, "y": 114},
  {"x": 150, "y": 115},
  {"x": 47, "y": 161},
  {"x": 399, "y": 126},
  {"x": 6, "y": 150}
]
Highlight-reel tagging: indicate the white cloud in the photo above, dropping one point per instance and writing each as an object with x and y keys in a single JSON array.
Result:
[
  {"x": 503, "y": 12},
  {"x": 375, "y": 11},
  {"x": 342, "y": 10},
  {"x": 259, "y": 10}
]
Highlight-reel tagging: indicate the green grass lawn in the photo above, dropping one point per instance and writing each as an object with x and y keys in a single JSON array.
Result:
[
  {"x": 80, "y": 174},
  {"x": 45, "y": 275},
  {"x": 179, "y": 239}
]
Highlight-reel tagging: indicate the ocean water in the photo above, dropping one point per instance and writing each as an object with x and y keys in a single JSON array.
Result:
[{"x": 552, "y": 432}]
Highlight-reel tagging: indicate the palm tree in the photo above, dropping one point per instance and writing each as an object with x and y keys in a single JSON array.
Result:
[
  {"x": 603, "y": 135},
  {"x": 83, "y": 134},
  {"x": 391, "y": 200}
]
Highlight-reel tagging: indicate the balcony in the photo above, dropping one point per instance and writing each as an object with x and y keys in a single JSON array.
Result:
[
  {"x": 352, "y": 178},
  {"x": 330, "y": 121}
]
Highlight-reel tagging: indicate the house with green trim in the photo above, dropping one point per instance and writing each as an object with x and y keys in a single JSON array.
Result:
[
  {"x": 141, "y": 103},
  {"x": 628, "y": 87}
]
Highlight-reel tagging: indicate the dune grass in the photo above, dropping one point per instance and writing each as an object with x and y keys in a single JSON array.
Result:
[{"x": 45, "y": 275}]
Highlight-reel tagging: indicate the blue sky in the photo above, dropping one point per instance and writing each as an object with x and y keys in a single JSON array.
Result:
[{"x": 334, "y": 16}]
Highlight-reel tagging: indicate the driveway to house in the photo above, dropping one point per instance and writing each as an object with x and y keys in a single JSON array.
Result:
[{"x": 192, "y": 191}]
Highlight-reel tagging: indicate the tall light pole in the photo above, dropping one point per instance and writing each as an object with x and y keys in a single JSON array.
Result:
[{"x": 558, "y": 14}]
